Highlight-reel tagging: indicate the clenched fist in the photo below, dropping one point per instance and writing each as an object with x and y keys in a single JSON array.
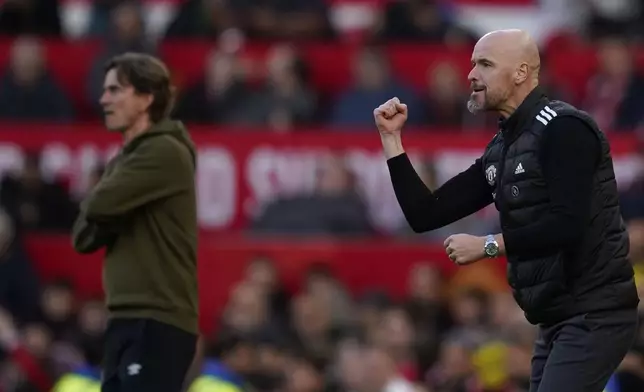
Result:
[
  {"x": 390, "y": 117},
  {"x": 464, "y": 249}
]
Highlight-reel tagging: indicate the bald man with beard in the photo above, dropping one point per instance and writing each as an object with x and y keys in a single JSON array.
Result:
[{"x": 549, "y": 172}]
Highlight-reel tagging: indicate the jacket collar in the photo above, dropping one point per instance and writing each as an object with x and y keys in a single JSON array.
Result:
[
  {"x": 513, "y": 124},
  {"x": 162, "y": 127}
]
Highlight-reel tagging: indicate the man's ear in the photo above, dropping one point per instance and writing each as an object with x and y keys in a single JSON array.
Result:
[
  {"x": 145, "y": 100},
  {"x": 149, "y": 98},
  {"x": 521, "y": 74}
]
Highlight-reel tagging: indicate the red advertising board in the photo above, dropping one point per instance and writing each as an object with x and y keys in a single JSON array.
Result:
[{"x": 240, "y": 170}]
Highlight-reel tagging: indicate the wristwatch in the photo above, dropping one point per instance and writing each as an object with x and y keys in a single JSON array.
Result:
[{"x": 491, "y": 246}]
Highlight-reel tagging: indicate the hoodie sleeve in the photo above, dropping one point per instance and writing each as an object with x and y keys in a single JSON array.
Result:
[
  {"x": 156, "y": 169},
  {"x": 88, "y": 237}
]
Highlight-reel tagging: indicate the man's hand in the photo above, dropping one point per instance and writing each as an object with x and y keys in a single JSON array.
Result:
[
  {"x": 464, "y": 249},
  {"x": 390, "y": 117}
]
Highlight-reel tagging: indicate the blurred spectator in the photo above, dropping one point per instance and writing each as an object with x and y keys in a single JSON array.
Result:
[
  {"x": 201, "y": 19},
  {"x": 126, "y": 34},
  {"x": 19, "y": 285},
  {"x": 313, "y": 332},
  {"x": 334, "y": 208},
  {"x": 283, "y": 19},
  {"x": 383, "y": 373},
  {"x": 348, "y": 372},
  {"x": 229, "y": 362},
  {"x": 489, "y": 361},
  {"x": 27, "y": 90},
  {"x": 24, "y": 352},
  {"x": 371, "y": 307},
  {"x": 398, "y": 338},
  {"x": 246, "y": 312},
  {"x": 88, "y": 332},
  {"x": 101, "y": 10},
  {"x": 33, "y": 17},
  {"x": 272, "y": 357},
  {"x": 621, "y": 17},
  {"x": 33, "y": 202},
  {"x": 58, "y": 306},
  {"x": 321, "y": 284},
  {"x": 615, "y": 94},
  {"x": 428, "y": 313},
  {"x": 519, "y": 352},
  {"x": 262, "y": 273},
  {"x": 470, "y": 313},
  {"x": 422, "y": 20},
  {"x": 504, "y": 313},
  {"x": 374, "y": 84},
  {"x": 84, "y": 378},
  {"x": 303, "y": 375},
  {"x": 454, "y": 370},
  {"x": 221, "y": 96},
  {"x": 38, "y": 340},
  {"x": 445, "y": 99},
  {"x": 286, "y": 99}
]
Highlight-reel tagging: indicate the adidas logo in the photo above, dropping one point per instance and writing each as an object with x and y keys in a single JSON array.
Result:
[{"x": 519, "y": 169}]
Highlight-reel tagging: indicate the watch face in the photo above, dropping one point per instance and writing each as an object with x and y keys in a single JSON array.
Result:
[{"x": 491, "y": 249}]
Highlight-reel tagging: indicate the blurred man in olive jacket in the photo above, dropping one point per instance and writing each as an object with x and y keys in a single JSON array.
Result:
[{"x": 143, "y": 211}]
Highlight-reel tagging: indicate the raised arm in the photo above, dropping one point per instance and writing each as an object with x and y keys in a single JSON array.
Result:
[{"x": 425, "y": 210}]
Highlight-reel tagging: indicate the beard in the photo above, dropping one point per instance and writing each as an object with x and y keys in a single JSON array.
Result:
[
  {"x": 481, "y": 102},
  {"x": 473, "y": 107}
]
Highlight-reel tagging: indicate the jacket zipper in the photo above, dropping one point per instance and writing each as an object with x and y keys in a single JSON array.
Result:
[
  {"x": 504, "y": 151},
  {"x": 499, "y": 189}
]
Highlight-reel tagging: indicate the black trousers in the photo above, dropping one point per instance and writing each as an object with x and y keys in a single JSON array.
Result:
[
  {"x": 145, "y": 355},
  {"x": 580, "y": 354}
]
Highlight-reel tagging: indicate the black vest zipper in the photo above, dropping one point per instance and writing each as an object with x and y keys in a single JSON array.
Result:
[
  {"x": 512, "y": 278},
  {"x": 504, "y": 151}
]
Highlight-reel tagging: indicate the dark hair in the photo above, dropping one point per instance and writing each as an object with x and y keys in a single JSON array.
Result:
[{"x": 147, "y": 75}]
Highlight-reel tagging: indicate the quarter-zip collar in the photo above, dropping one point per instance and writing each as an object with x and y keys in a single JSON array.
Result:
[{"x": 511, "y": 126}]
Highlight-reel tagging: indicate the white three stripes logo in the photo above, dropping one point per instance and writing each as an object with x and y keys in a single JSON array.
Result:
[{"x": 546, "y": 115}]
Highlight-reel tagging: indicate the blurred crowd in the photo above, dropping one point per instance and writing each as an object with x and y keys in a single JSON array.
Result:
[
  {"x": 442, "y": 336},
  {"x": 286, "y": 97},
  {"x": 439, "y": 337},
  {"x": 322, "y": 337}
]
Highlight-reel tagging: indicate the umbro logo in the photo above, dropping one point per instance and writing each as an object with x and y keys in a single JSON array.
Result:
[
  {"x": 134, "y": 369},
  {"x": 519, "y": 169}
]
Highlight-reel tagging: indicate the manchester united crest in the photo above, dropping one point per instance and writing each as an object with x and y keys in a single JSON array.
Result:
[{"x": 490, "y": 175}]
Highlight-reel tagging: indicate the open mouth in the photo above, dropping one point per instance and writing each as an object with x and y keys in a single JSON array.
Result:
[{"x": 478, "y": 89}]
